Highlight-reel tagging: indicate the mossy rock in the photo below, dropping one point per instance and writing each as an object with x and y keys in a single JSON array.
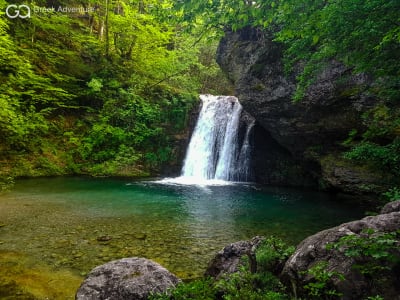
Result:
[{"x": 344, "y": 175}]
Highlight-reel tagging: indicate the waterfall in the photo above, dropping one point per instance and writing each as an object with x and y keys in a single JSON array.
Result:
[
  {"x": 215, "y": 150},
  {"x": 244, "y": 163}
]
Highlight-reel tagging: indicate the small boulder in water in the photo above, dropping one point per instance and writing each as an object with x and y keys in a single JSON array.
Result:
[
  {"x": 140, "y": 236},
  {"x": 127, "y": 278},
  {"x": 104, "y": 238}
]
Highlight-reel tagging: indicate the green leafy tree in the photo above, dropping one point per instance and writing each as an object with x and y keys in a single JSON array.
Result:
[{"x": 364, "y": 35}]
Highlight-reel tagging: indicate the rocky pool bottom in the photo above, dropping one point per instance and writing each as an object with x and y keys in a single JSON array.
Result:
[{"x": 54, "y": 231}]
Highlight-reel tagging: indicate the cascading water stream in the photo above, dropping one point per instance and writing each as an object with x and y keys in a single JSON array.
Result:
[
  {"x": 226, "y": 166},
  {"x": 244, "y": 162},
  {"x": 214, "y": 150}
]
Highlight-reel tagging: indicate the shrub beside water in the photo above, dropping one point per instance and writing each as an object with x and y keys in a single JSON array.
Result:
[
  {"x": 374, "y": 253},
  {"x": 261, "y": 285}
]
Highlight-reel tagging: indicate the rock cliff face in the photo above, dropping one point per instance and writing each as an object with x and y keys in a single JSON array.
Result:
[{"x": 304, "y": 137}]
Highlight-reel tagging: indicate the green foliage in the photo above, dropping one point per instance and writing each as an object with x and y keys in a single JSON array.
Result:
[
  {"x": 352, "y": 135},
  {"x": 129, "y": 120},
  {"x": 262, "y": 285},
  {"x": 374, "y": 252},
  {"x": 382, "y": 157},
  {"x": 369, "y": 244},
  {"x": 122, "y": 163},
  {"x": 379, "y": 145},
  {"x": 6, "y": 183},
  {"x": 271, "y": 255},
  {"x": 246, "y": 285},
  {"x": 375, "y": 255},
  {"x": 392, "y": 194},
  {"x": 361, "y": 34},
  {"x": 377, "y": 297},
  {"x": 321, "y": 285},
  {"x": 343, "y": 30},
  {"x": 124, "y": 69},
  {"x": 162, "y": 155},
  {"x": 383, "y": 122},
  {"x": 236, "y": 286},
  {"x": 95, "y": 85}
]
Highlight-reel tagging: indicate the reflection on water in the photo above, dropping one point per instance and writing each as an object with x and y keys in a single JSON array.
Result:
[{"x": 70, "y": 225}]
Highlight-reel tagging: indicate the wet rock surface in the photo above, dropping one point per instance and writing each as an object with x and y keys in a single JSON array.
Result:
[{"x": 127, "y": 278}]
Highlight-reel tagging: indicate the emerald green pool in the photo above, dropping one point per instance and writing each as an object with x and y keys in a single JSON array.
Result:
[{"x": 64, "y": 227}]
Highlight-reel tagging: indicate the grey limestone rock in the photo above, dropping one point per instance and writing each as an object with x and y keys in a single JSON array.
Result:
[
  {"x": 227, "y": 260},
  {"x": 391, "y": 207},
  {"x": 127, "y": 278}
]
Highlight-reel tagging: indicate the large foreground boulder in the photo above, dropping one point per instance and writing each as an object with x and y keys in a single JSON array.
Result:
[
  {"x": 356, "y": 284},
  {"x": 227, "y": 260},
  {"x": 127, "y": 278}
]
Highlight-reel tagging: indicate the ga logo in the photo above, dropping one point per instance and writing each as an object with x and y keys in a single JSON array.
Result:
[{"x": 22, "y": 11}]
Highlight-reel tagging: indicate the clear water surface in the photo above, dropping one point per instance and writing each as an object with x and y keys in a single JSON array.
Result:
[{"x": 55, "y": 230}]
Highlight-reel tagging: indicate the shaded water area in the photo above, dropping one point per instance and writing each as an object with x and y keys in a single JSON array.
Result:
[{"x": 54, "y": 231}]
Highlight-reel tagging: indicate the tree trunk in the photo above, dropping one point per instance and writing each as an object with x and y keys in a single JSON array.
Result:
[{"x": 107, "y": 32}]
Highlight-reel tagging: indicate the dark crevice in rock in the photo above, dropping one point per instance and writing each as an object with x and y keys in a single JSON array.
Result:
[{"x": 275, "y": 165}]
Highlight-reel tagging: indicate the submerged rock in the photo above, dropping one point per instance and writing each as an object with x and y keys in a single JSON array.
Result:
[
  {"x": 227, "y": 260},
  {"x": 127, "y": 278},
  {"x": 356, "y": 285},
  {"x": 104, "y": 238}
]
